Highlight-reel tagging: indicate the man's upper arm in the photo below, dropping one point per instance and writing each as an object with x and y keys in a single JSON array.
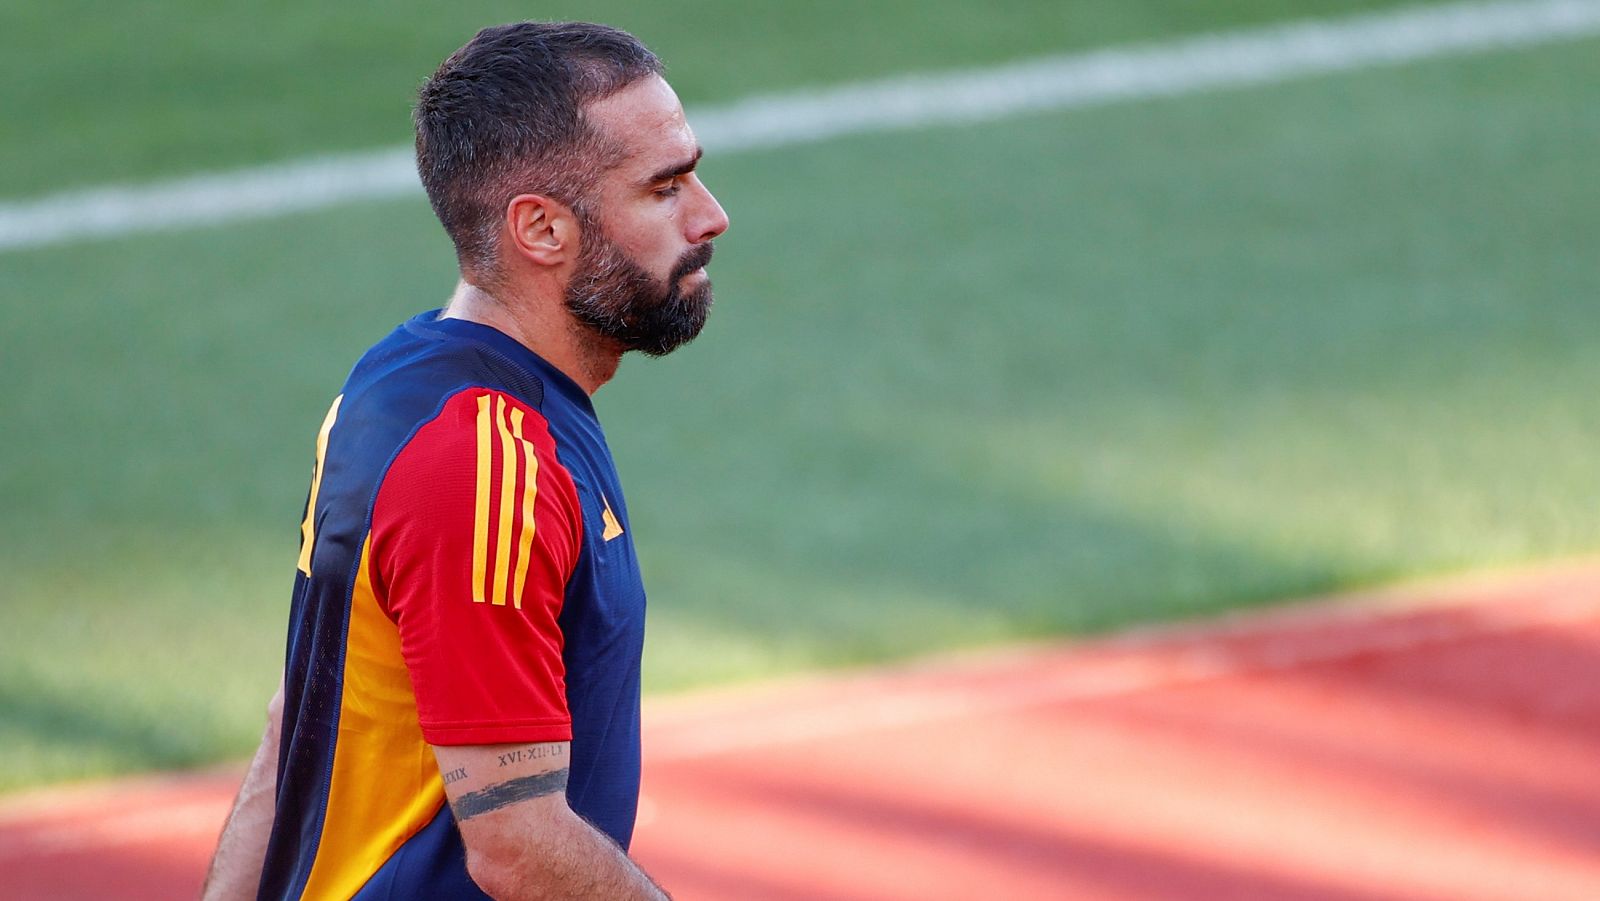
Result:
[
  {"x": 489, "y": 784},
  {"x": 475, "y": 532}
]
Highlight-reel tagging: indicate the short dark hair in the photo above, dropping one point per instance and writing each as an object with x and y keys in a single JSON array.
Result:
[{"x": 504, "y": 116}]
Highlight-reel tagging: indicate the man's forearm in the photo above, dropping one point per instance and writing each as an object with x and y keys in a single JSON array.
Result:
[
  {"x": 523, "y": 841},
  {"x": 571, "y": 859},
  {"x": 235, "y": 871}
]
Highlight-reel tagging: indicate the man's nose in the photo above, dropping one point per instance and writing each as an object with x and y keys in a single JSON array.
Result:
[{"x": 710, "y": 220}]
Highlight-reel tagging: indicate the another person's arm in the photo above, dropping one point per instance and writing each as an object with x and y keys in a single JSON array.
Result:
[
  {"x": 236, "y": 866},
  {"x": 523, "y": 841}
]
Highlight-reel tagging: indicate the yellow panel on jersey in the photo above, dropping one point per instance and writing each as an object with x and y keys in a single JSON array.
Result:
[{"x": 385, "y": 785}]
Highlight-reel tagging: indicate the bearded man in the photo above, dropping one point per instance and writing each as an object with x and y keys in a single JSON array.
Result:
[{"x": 460, "y": 706}]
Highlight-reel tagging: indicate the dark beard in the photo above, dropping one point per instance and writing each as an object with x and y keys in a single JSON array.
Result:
[{"x": 618, "y": 299}]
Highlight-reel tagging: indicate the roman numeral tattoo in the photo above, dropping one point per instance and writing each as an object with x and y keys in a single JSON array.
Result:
[
  {"x": 501, "y": 794},
  {"x": 531, "y": 753}
]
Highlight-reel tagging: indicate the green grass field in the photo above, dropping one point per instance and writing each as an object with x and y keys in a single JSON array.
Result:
[{"x": 1042, "y": 377}]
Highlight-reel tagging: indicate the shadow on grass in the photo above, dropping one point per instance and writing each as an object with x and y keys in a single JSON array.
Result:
[
  {"x": 73, "y": 735},
  {"x": 858, "y": 566}
]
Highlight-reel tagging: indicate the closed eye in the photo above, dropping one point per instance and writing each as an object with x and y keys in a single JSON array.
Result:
[{"x": 670, "y": 175}]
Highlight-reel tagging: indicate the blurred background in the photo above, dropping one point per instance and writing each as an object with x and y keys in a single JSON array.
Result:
[{"x": 1043, "y": 376}]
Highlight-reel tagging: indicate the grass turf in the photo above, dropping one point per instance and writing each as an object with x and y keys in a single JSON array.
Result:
[{"x": 1042, "y": 377}]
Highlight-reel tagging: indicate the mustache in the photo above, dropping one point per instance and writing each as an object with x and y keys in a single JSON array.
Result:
[{"x": 694, "y": 259}]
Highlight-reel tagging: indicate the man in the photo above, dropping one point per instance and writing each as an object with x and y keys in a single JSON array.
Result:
[{"x": 460, "y": 707}]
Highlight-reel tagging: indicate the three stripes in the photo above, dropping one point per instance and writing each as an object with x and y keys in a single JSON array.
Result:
[{"x": 499, "y": 428}]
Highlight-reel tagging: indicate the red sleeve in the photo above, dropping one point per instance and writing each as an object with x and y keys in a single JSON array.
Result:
[{"x": 475, "y": 531}]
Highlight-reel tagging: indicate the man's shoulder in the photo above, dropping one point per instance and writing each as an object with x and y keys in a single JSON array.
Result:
[
  {"x": 409, "y": 385},
  {"x": 415, "y": 370},
  {"x": 437, "y": 405}
]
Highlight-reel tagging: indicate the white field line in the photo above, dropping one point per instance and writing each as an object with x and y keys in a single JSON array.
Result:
[{"x": 1240, "y": 58}]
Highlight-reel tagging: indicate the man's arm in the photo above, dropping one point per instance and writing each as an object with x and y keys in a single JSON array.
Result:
[
  {"x": 236, "y": 866},
  {"x": 523, "y": 841}
]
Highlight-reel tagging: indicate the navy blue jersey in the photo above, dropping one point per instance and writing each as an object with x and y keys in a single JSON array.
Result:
[{"x": 466, "y": 577}]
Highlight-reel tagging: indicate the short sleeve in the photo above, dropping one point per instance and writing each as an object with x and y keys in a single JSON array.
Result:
[{"x": 476, "y": 530}]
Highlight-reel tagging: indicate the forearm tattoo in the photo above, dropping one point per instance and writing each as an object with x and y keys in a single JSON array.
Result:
[{"x": 497, "y": 796}]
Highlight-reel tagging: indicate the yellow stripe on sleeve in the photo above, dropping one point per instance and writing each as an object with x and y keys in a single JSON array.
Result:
[
  {"x": 508, "y": 489},
  {"x": 480, "y": 518},
  {"x": 308, "y": 528},
  {"x": 530, "y": 493}
]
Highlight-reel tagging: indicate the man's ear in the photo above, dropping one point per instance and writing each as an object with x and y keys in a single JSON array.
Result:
[{"x": 543, "y": 231}]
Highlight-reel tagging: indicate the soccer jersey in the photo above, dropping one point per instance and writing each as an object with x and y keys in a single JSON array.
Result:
[{"x": 466, "y": 576}]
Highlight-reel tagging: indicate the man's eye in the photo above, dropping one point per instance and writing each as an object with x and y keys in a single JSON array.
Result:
[{"x": 668, "y": 189}]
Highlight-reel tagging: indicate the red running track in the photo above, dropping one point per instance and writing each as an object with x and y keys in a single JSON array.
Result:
[{"x": 1434, "y": 742}]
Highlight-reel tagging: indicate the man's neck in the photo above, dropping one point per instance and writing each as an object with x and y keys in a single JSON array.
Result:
[{"x": 547, "y": 329}]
